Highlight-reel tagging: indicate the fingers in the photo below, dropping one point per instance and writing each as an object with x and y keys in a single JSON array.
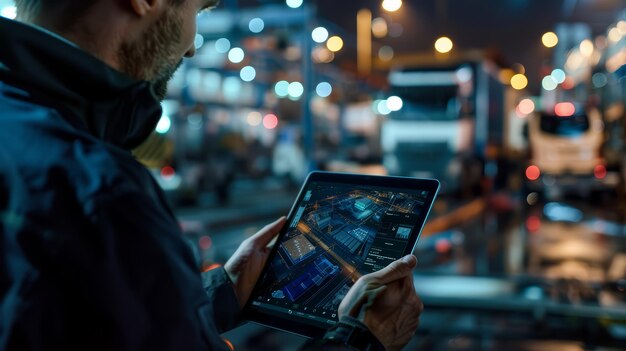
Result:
[
  {"x": 395, "y": 270},
  {"x": 265, "y": 235}
]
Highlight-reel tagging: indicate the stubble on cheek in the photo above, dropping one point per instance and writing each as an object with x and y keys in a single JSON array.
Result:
[{"x": 154, "y": 56}]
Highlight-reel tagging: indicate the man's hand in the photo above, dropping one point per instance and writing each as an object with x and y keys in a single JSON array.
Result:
[
  {"x": 387, "y": 303},
  {"x": 246, "y": 264}
]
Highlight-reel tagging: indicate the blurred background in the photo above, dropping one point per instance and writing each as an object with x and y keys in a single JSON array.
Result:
[{"x": 516, "y": 106}]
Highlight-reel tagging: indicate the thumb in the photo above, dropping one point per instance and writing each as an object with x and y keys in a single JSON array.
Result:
[
  {"x": 395, "y": 270},
  {"x": 267, "y": 233}
]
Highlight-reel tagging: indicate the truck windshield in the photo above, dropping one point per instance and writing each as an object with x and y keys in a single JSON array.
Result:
[
  {"x": 565, "y": 126},
  {"x": 432, "y": 103}
]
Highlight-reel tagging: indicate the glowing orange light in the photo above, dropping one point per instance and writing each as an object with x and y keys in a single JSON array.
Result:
[
  {"x": 533, "y": 223},
  {"x": 270, "y": 121},
  {"x": 211, "y": 267},
  {"x": 599, "y": 171},
  {"x": 564, "y": 109},
  {"x": 167, "y": 172},
  {"x": 526, "y": 106},
  {"x": 229, "y": 344},
  {"x": 533, "y": 172},
  {"x": 205, "y": 242}
]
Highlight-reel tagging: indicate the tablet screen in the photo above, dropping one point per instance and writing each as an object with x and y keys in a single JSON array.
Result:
[{"x": 336, "y": 233}]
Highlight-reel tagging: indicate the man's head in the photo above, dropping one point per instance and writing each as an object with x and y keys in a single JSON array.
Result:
[{"x": 146, "y": 39}]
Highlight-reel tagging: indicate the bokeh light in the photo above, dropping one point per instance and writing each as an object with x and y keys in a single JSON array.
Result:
[
  {"x": 222, "y": 45},
  {"x": 324, "y": 89},
  {"x": 392, "y": 5},
  {"x": 533, "y": 172},
  {"x": 198, "y": 41},
  {"x": 236, "y": 55},
  {"x": 254, "y": 118},
  {"x": 564, "y": 109},
  {"x": 443, "y": 45},
  {"x": 294, "y": 4},
  {"x": 256, "y": 25},
  {"x": 549, "y": 39},
  {"x": 379, "y": 27},
  {"x": 519, "y": 81},
  {"x": 586, "y": 47},
  {"x": 270, "y": 121},
  {"x": 319, "y": 34},
  {"x": 382, "y": 108},
  {"x": 322, "y": 55},
  {"x": 164, "y": 125},
  {"x": 621, "y": 25},
  {"x": 558, "y": 75},
  {"x": 334, "y": 43},
  {"x": 526, "y": 106},
  {"x": 247, "y": 74},
  {"x": 394, "y": 103},
  {"x": 548, "y": 83},
  {"x": 599, "y": 171},
  {"x": 614, "y": 35},
  {"x": 282, "y": 88},
  {"x": 295, "y": 90}
]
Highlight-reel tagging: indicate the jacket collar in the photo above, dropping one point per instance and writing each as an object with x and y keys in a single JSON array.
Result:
[{"x": 88, "y": 93}]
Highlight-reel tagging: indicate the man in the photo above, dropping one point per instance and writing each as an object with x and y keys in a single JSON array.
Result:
[{"x": 91, "y": 257}]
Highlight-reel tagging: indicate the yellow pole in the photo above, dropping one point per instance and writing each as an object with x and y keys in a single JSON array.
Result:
[{"x": 364, "y": 41}]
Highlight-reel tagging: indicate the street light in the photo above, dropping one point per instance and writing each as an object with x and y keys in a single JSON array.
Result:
[
  {"x": 443, "y": 45},
  {"x": 519, "y": 81},
  {"x": 549, "y": 39},
  {"x": 392, "y": 5},
  {"x": 334, "y": 43}
]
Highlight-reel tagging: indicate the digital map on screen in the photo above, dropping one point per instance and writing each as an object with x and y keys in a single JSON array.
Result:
[{"x": 338, "y": 233}]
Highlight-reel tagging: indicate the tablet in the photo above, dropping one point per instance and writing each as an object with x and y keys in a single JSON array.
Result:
[{"x": 341, "y": 226}]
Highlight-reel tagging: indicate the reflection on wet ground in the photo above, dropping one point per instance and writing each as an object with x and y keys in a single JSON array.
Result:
[{"x": 554, "y": 271}]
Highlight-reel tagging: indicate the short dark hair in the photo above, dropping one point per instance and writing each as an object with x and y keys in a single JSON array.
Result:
[{"x": 30, "y": 10}]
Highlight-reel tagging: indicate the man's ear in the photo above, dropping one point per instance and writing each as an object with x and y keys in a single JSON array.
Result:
[{"x": 144, "y": 7}]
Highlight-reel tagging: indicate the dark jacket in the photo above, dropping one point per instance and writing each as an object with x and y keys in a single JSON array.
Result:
[{"x": 91, "y": 256}]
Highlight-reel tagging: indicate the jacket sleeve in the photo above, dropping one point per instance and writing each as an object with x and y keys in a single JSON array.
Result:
[
  {"x": 222, "y": 297},
  {"x": 349, "y": 334}
]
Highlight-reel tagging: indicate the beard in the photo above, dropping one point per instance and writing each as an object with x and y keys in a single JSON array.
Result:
[{"x": 153, "y": 57}]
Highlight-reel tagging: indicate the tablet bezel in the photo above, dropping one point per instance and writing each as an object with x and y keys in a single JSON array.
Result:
[{"x": 306, "y": 329}]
